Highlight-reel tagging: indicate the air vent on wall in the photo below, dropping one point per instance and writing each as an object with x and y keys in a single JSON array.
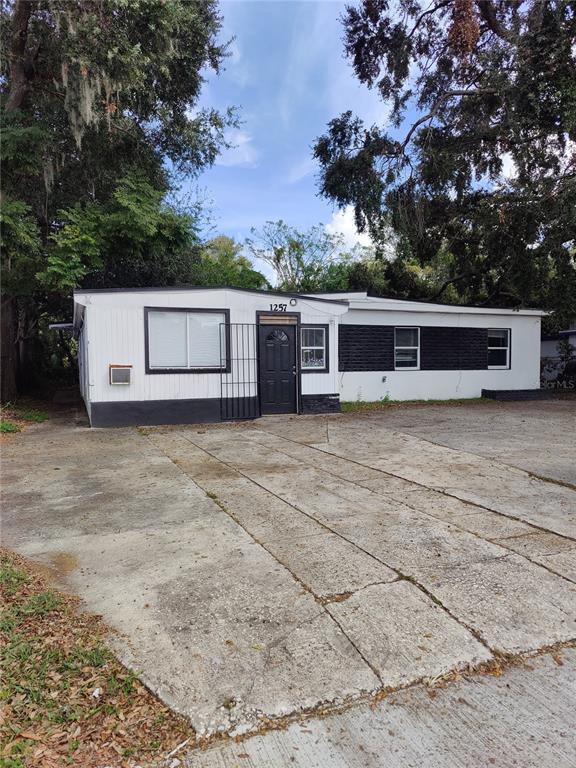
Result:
[{"x": 120, "y": 374}]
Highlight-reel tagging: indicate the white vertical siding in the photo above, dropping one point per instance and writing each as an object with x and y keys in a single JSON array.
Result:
[
  {"x": 116, "y": 336},
  {"x": 114, "y": 333}
]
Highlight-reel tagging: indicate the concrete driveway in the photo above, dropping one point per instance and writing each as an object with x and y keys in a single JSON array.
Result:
[{"x": 297, "y": 564}]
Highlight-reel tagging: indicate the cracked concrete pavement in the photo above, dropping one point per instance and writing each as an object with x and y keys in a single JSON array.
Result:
[
  {"x": 523, "y": 719},
  {"x": 277, "y": 567}
]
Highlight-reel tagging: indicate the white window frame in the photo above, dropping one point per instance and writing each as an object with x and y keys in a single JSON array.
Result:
[
  {"x": 507, "y": 348},
  {"x": 324, "y": 348},
  {"x": 224, "y": 366},
  {"x": 403, "y": 346}
]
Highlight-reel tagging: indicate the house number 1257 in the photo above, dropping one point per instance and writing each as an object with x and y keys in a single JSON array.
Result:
[{"x": 278, "y": 307}]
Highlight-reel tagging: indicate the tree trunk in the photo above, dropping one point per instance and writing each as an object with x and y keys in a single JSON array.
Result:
[
  {"x": 19, "y": 79},
  {"x": 21, "y": 72},
  {"x": 9, "y": 323}
]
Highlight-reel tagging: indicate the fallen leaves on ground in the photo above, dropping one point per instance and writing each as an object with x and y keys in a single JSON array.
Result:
[
  {"x": 15, "y": 418},
  {"x": 65, "y": 698}
]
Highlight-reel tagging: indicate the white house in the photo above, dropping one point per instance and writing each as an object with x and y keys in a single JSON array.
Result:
[{"x": 185, "y": 355}]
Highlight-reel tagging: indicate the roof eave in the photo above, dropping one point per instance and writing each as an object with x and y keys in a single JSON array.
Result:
[{"x": 184, "y": 288}]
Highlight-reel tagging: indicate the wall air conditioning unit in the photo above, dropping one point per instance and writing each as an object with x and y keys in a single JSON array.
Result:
[{"x": 120, "y": 374}]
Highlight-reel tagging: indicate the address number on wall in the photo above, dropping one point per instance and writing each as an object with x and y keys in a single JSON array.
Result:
[{"x": 278, "y": 307}]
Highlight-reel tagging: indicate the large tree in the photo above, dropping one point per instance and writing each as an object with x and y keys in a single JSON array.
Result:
[
  {"x": 222, "y": 263},
  {"x": 479, "y": 157},
  {"x": 99, "y": 112},
  {"x": 302, "y": 260}
]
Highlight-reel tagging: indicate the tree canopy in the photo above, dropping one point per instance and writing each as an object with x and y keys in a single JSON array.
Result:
[
  {"x": 314, "y": 260},
  {"x": 99, "y": 102},
  {"x": 223, "y": 263},
  {"x": 479, "y": 157},
  {"x": 303, "y": 260}
]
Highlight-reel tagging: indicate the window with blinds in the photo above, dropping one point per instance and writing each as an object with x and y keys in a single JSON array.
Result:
[{"x": 187, "y": 340}]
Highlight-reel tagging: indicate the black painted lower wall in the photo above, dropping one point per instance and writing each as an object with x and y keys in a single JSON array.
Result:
[
  {"x": 149, "y": 413},
  {"x": 321, "y": 403},
  {"x": 142, "y": 413},
  {"x": 516, "y": 394}
]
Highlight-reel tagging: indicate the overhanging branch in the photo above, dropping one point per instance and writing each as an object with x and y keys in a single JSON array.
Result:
[
  {"x": 488, "y": 13},
  {"x": 437, "y": 104},
  {"x": 423, "y": 15}
]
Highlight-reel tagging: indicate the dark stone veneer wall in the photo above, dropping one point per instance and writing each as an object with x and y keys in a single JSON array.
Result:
[
  {"x": 321, "y": 403},
  {"x": 365, "y": 348},
  {"x": 371, "y": 348}
]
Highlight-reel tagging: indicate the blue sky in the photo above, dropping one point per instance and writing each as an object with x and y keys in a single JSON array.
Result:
[{"x": 288, "y": 77}]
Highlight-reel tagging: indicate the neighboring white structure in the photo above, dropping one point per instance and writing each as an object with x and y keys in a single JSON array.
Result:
[
  {"x": 185, "y": 355},
  {"x": 552, "y": 362}
]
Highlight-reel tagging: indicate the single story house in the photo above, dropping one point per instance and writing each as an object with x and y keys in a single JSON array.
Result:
[{"x": 185, "y": 355}]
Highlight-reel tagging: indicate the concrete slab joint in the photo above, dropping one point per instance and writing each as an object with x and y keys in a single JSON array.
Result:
[{"x": 302, "y": 564}]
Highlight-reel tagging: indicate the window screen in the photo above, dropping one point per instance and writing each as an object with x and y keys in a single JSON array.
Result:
[
  {"x": 498, "y": 348},
  {"x": 186, "y": 340},
  {"x": 313, "y": 346}
]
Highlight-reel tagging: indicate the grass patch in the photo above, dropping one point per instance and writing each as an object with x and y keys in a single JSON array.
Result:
[
  {"x": 31, "y": 414},
  {"x": 65, "y": 698},
  {"x": 384, "y": 404},
  {"x": 7, "y": 427},
  {"x": 16, "y": 417}
]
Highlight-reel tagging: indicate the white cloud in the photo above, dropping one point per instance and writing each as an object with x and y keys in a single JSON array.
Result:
[
  {"x": 301, "y": 170},
  {"x": 241, "y": 153},
  {"x": 308, "y": 63},
  {"x": 315, "y": 64},
  {"x": 342, "y": 223},
  {"x": 508, "y": 166},
  {"x": 236, "y": 68}
]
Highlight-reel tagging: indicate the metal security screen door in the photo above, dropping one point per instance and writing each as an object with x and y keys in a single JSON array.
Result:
[
  {"x": 239, "y": 376},
  {"x": 278, "y": 374}
]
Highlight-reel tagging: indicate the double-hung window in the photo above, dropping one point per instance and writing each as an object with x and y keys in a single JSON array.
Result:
[
  {"x": 186, "y": 340},
  {"x": 314, "y": 348},
  {"x": 407, "y": 349},
  {"x": 498, "y": 348}
]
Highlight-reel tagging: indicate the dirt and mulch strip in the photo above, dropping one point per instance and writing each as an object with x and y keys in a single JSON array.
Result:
[
  {"x": 64, "y": 697},
  {"x": 16, "y": 417},
  {"x": 360, "y": 406}
]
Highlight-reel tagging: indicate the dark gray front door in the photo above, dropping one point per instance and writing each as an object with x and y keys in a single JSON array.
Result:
[{"x": 277, "y": 351}]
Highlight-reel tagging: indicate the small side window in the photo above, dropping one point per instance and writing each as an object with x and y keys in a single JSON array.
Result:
[
  {"x": 407, "y": 349},
  {"x": 313, "y": 345},
  {"x": 498, "y": 348}
]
